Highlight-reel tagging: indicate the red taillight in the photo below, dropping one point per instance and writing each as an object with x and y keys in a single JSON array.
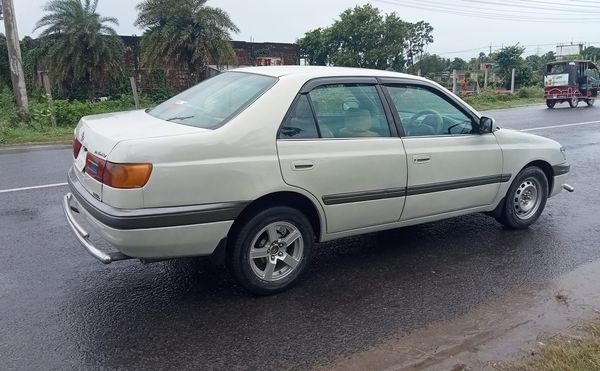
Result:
[
  {"x": 76, "y": 147},
  {"x": 125, "y": 176},
  {"x": 94, "y": 167}
]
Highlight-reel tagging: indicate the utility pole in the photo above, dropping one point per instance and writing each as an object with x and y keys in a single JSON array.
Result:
[{"x": 14, "y": 58}]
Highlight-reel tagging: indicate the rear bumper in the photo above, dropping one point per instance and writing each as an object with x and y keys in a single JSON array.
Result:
[
  {"x": 84, "y": 237},
  {"x": 149, "y": 233}
]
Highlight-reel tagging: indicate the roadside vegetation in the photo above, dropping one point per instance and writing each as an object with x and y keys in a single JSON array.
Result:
[
  {"x": 581, "y": 353},
  {"x": 81, "y": 59},
  {"x": 39, "y": 128},
  {"x": 488, "y": 100}
]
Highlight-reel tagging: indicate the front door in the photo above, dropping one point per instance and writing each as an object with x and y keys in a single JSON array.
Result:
[
  {"x": 337, "y": 143},
  {"x": 451, "y": 166}
]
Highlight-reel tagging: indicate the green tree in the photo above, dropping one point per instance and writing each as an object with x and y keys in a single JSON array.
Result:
[
  {"x": 364, "y": 37},
  {"x": 186, "y": 34},
  {"x": 432, "y": 64},
  {"x": 459, "y": 64},
  {"x": 419, "y": 36},
  {"x": 4, "y": 68},
  {"x": 591, "y": 52},
  {"x": 80, "y": 46},
  {"x": 511, "y": 57},
  {"x": 315, "y": 47}
]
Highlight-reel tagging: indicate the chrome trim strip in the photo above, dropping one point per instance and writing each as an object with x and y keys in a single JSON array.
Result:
[
  {"x": 155, "y": 217},
  {"x": 343, "y": 198},
  {"x": 83, "y": 236}
]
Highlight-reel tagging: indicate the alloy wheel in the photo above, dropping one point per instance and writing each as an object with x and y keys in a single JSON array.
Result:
[{"x": 276, "y": 251}]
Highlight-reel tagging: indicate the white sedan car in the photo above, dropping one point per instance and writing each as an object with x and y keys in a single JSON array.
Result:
[{"x": 256, "y": 165}]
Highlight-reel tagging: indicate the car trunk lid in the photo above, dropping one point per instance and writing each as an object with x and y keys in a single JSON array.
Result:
[{"x": 99, "y": 134}]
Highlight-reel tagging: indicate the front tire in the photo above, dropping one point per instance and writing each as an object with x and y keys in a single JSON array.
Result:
[
  {"x": 590, "y": 102},
  {"x": 271, "y": 250},
  {"x": 525, "y": 199},
  {"x": 550, "y": 103}
]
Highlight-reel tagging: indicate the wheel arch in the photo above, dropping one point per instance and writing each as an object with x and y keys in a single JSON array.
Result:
[
  {"x": 547, "y": 169},
  {"x": 283, "y": 198}
]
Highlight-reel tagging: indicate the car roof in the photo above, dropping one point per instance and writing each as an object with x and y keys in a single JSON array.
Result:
[{"x": 311, "y": 72}]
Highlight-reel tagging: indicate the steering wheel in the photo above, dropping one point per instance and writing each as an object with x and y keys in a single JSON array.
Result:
[{"x": 438, "y": 123}]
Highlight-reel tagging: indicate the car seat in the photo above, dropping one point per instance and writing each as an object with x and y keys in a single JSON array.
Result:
[{"x": 358, "y": 123}]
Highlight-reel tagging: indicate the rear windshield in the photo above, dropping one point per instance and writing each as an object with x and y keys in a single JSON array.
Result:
[{"x": 212, "y": 102}]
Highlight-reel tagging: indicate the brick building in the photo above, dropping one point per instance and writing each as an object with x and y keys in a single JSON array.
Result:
[
  {"x": 176, "y": 79},
  {"x": 247, "y": 54}
]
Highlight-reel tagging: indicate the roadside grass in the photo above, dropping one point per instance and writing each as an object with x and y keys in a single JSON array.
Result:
[
  {"x": 29, "y": 134},
  {"x": 483, "y": 105},
  {"x": 488, "y": 100},
  {"x": 581, "y": 353}
]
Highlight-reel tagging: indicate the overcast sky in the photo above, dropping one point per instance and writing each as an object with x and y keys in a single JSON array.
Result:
[{"x": 458, "y": 31}]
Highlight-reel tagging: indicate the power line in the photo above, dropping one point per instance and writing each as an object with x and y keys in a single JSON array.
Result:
[{"x": 445, "y": 9}]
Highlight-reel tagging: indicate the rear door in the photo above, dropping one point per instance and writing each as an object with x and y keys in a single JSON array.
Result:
[
  {"x": 337, "y": 143},
  {"x": 451, "y": 166}
]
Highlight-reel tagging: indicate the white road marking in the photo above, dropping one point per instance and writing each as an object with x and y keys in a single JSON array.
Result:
[
  {"x": 563, "y": 125},
  {"x": 34, "y": 187}
]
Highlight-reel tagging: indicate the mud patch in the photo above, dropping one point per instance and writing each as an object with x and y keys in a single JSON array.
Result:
[{"x": 484, "y": 338}]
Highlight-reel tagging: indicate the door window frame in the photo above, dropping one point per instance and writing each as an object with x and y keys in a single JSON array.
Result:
[
  {"x": 391, "y": 82},
  {"x": 381, "y": 84},
  {"x": 312, "y": 84}
]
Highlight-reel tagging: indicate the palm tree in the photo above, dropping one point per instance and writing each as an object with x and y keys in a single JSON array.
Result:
[
  {"x": 185, "y": 33},
  {"x": 80, "y": 45}
]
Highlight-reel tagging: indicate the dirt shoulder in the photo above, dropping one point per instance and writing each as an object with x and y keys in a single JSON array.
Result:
[{"x": 494, "y": 334}]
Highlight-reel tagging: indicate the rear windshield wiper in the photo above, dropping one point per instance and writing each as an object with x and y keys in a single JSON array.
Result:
[{"x": 180, "y": 118}]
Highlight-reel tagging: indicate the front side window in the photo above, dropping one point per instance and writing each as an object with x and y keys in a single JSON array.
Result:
[
  {"x": 424, "y": 113},
  {"x": 212, "y": 102},
  {"x": 349, "y": 111}
]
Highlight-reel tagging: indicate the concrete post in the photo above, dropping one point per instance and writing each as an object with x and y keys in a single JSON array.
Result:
[
  {"x": 485, "y": 79},
  {"x": 512, "y": 82},
  {"x": 136, "y": 97},
  {"x": 454, "y": 82}
]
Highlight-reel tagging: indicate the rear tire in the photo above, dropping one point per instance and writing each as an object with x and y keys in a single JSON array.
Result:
[
  {"x": 574, "y": 102},
  {"x": 270, "y": 251},
  {"x": 550, "y": 103},
  {"x": 525, "y": 199},
  {"x": 590, "y": 102}
]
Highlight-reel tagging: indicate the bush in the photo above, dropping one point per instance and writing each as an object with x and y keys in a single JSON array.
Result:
[
  {"x": 531, "y": 92},
  {"x": 9, "y": 115},
  {"x": 67, "y": 113}
]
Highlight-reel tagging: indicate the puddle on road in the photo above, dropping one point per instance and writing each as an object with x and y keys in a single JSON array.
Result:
[{"x": 498, "y": 331}]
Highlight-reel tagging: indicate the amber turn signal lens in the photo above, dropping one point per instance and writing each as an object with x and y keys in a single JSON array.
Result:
[{"x": 126, "y": 175}]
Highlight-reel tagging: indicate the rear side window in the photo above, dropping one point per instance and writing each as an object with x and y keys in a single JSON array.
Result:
[
  {"x": 214, "y": 101},
  {"x": 349, "y": 111},
  {"x": 300, "y": 124}
]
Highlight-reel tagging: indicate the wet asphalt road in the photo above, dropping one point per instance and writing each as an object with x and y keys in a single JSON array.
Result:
[{"x": 61, "y": 309}]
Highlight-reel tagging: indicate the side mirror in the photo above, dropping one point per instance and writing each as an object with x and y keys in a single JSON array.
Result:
[{"x": 487, "y": 125}]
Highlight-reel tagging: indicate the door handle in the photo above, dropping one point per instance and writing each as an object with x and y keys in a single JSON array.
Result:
[
  {"x": 421, "y": 159},
  {"x": 302, "y": 165}
]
